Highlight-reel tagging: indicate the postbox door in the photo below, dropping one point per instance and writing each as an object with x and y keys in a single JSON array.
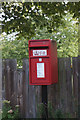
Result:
[{"x": 40, "y": 70}]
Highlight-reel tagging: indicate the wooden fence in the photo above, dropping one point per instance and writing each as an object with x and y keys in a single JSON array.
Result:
[{"x": 64, "y": 96}]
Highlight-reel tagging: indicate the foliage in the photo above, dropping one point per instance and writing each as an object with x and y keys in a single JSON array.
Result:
[
  {"x": 41, "y": 110},
  {"x": 12, "y": 49},
  {"x": 8, "y": 112},
  {"x": 51, "y": 112},
  {"x": 25, "y": 17},
  {"x": 65, "y": 36},
  {"x": 74, "y": 8},
  {"x": 39, "y": 21},
  {"x": 54, "y": 113},
  {"x": 58, "y": 114}
]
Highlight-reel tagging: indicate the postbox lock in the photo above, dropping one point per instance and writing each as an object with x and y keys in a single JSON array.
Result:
[{"x": 40, "y": 59}]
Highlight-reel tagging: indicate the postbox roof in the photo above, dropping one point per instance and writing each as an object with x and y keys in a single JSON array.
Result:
[{"x": 40, "y": 42}]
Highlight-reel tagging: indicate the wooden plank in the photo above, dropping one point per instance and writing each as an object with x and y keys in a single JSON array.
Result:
[
  {"x": 38, "y": 100},
  {"x": 53, "y": 97},
  {"x": 68, "y": 70},
  {"x": 75, "y": 84},
  {"x": 10, "y": 80},
  {"x": 35, "y": 99},
  {"x": 0, "y": 84},
  {"x": 32, "y": 101},
  {"x": 51, "y": 94},
  {"x": 57, "y": 88},
  {"x": 25, "y": 88},
  {"x": 13, "y": 81},
  {"x": 52, "y": 100},
  {"x": 62, "y": 79},
  {"x": 65, "y": 85},
  {"x": 7, "y": 80},
  {"x": 79, "y": 87},
  {"x": 19, "y": 91},
  {"x": 3, "y": 80}
]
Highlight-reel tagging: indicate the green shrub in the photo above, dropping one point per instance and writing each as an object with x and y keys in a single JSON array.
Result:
[
  {"x": 51, "y": 112},
  {"x": 41, "y": 110},
  {"x": 58, "y": 114},
  {"x": 8, "y": 112}
]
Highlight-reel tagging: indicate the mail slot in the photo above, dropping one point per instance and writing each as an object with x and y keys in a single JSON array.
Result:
[{"x": 43, "y": 68}]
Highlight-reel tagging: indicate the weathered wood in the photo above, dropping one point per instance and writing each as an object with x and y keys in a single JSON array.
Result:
[
  {"x": 68, "y": 70},
  {"x": 25, "y": 88},
  {"x": 60, "y": 94},
  {"x": 65, "y": 95},
  {"x": 7, "y": 80},
  {"x": 10, "y": 81},
  {"x": 38, "y": 100},
  {"x": 32, "y": 101},
  {"x": 65, "y": 85},
  {"x": 63, "y": 91},
  {"x": 62, "y": 85},
  {"x": 19, "y": 91},
  {"x": 53, "y": 97},
  {"x": 0, "y": 84},
  {"x": 75, "y": 84},
  {"x": 79, "y": 87},
  {"x": 3, "y": 81}
]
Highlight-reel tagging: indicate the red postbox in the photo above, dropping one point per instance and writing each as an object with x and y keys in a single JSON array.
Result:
[{"x": 43, "y": 68}]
